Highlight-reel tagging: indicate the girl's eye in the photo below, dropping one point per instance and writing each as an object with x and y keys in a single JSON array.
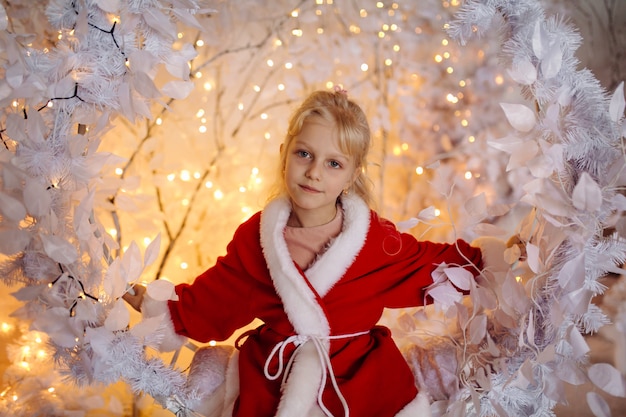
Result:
[
  {"x": 334, "y": 164},
  {"x": 303, "y": 154}
]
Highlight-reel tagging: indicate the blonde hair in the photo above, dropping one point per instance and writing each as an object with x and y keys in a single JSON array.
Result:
[{"x": 353, "y": 133}]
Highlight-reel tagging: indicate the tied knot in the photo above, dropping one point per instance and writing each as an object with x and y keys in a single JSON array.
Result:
[{"x": 324, "y": 360}]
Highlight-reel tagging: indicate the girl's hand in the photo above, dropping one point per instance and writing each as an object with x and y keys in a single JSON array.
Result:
[{"x": 134, "y": 296}]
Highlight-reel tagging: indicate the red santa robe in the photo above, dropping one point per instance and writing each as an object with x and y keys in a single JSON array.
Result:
[{"x": 320, "y": 325}]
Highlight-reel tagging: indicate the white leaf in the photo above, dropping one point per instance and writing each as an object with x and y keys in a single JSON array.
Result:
[
  {"x": 152, "y": 251},
  {"x": 523, "y": 72},
  {"x": 444, "y": 294},
  {"x": 519, "y": 116},
  {"x": 551, "y": 63},
  {"x": 578, "y": 343},
  {"x": 477, "y": 206},
  {"x": 477, "y": 329},
  {"x": 147, "y": 326},
  {"x": 617, "y": 105},
  {"x": 427, "y": 214},
  {"x": 508, "y": 144},
  {"x": 577, "y": 302},
  {"x": 598, "y": 405},
  {"x": 608, "y": 378},
  {"x": 114, "y": 283},
  {"x": 111, "y": 6},
  {"x": 59, "y": 249},
  {"x": 144, "y": 85},
  {"x": 159, "y": 22},
  {"x": 13, "y": 241},
  {"x": 523, "y": 155},
  {"x": 161, "y": 290},
  {"x": 118, "y": 317},
  {"x": 100, "y": 340},
  {"x": 12, "y": 208},
  {"x": 406, "y": 225},
  {"x": 539, "y": 40},
  {"x": 4, "y": 20},
  {"x": 29, "y": 292},
  {"x": 37, "y": 198},
  {"x": 534, "y": 261},
  {"x": 178, "y": 89},
  {"x": 572, "y": 274},
  {"x": 488, "y": 229},
  {"x": 131, "y": 263},
  {"x": 460, "y": 277},
  {"x": 587, "y": 195}
]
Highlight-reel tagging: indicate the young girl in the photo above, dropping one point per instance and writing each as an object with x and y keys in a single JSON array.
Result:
[{"x": 317, "y": 266}]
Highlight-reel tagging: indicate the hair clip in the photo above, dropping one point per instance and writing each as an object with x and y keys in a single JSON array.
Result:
[{"x": 339, "y": 89}]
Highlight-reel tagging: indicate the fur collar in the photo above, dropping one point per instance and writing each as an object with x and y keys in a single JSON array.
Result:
[{"x": 301, "y": 294}]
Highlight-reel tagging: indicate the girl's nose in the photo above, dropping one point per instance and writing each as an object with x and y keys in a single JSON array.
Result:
[{"x": 313, "y": 172}]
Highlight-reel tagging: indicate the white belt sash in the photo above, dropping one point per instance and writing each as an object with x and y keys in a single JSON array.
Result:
[{"x": 322, "y": 352}]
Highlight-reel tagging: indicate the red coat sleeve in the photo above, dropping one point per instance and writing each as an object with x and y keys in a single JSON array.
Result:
[
  {"x": 403, "y": 265},
  {"x": 227, "y": 296}
]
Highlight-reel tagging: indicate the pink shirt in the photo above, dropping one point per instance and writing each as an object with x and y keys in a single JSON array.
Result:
[{"x": 305, "y": 244}]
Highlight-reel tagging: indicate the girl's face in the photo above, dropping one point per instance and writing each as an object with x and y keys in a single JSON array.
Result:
[{"x": 316, "y": 172}]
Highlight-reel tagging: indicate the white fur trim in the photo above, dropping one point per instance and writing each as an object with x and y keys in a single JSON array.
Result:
[
  {"x": 419, "y": 407},
  {"x": 300, "y": 295},
  {"x": 333, "y": 264},
  {"x": 300, "y": 391},
  {"x": 300, "y": 303}
]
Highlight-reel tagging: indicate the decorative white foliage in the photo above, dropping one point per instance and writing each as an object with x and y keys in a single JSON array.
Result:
[{"x": 569, "y": 139}]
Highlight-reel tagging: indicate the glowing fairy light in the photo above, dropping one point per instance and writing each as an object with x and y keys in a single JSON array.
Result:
[
  {"x": 200, "y": 43},
  {"x": 499, "y": 80},
  {"x": 159, "y": 121},
  {"x": 256, "y": 88},
  {"x": 171, "y": 177},
  {"x": 281, "y": 87},
  {"x": 270, "y": 63},
  {"x": 197, "y": 175},
  {"x": 200, "y": 113},
  {"x": 288, "y": 65},
  {"x": 185, "y": 202},
  {"x": 264, "y": 116},
  {"x": 471, "y": 139},
  {"x": 208, "y": 184},
  {"x": 184, "y": 265},
  {"x": 267, "y": 135},
  {"x": 208, "y": 86},
  {"x": 468, "y": 175},
  {"x": 297, "y": 33},
  {"x": 438, "y": 58},
  {"x": 449, "y": 70},
  {"x": 240, "y": 106},
  {"x": 218, "y": 194},
  {"x": 185, "y": 175},
  {"x": 242, "y": 189},
  {"x": 212, "y": 343},
  {"x": 202, "y": 129},
  {"x": 320, "y": 31},
  {"x": 437, "y": 212},
  {"x": 364, "y": 67},
  {"x": 295, "y": 13},
  {"x": 419, "y": 170},
  {"x": 119, "y": 171}
]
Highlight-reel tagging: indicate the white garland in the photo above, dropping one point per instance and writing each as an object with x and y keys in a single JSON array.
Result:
[{"x": 570, "y": 143}]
